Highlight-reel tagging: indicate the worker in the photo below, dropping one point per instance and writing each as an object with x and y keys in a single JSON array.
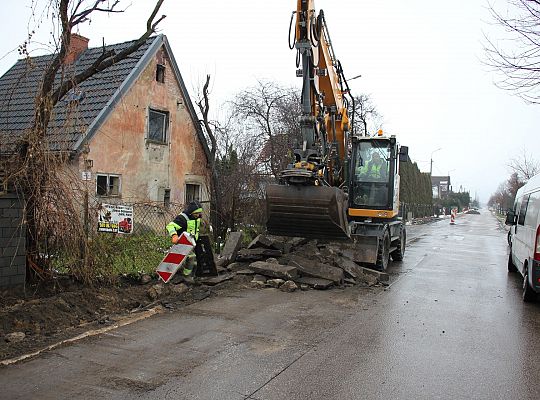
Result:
[
  {"x": 375, "y": 168},
  {"x": 189, "y": 220}
]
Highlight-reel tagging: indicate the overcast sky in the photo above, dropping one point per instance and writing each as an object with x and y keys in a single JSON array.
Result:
[{"x": 420, "y": 60}]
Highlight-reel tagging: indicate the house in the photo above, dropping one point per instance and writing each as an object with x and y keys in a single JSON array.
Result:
[
  {"x": 440, "y": 186},
  {"x": 129, "y": 134},
  {"x": 131, "y": 131}
]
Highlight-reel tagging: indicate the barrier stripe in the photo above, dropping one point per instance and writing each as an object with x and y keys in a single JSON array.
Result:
[
  {"x": 174, "y": 258},
  {"x": 181, "y": 249},
  {"x": 185, "y": 241}
]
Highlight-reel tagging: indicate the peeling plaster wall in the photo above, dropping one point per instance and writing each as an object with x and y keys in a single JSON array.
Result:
[{"x": 120, "y": 146}]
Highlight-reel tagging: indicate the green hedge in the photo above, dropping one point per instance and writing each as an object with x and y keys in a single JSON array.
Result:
[{"x": 415, "y": 186}]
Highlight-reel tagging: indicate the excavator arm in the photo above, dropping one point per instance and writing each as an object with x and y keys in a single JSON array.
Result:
[
  {"x": 339, "y": 186},
  {"x": 310, "y": 201},
  {"x": 324, "y": 120}
]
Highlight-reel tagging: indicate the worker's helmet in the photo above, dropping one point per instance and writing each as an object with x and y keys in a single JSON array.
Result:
[{"x": 193, "y": 207}]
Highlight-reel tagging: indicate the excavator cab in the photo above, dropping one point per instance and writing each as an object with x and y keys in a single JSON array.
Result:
[{"x": 374, "y": 178}]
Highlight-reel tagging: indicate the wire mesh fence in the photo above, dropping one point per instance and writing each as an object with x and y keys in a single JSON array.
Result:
[{"x": 145, "y": 217}]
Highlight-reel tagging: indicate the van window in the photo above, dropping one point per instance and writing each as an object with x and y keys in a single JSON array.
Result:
[
  {"x": 523, "y": 210},
  {"x": 533, "y": 208}
]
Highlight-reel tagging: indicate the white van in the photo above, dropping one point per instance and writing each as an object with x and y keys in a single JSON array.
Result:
[{"x": 525, "y": 237}]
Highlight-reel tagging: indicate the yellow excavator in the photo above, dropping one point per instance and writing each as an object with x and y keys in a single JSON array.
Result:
[{"x": 339, "y": 186}]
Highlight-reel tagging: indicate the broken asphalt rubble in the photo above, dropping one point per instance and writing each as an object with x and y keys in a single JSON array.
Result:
[{"x": 295, "y": 263}]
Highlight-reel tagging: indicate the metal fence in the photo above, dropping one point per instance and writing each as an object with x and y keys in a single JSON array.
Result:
[{"x": 410, "y": 211}]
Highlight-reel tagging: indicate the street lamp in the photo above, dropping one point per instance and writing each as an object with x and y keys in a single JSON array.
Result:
[
  {"x": 431, "y": 161},
  {"x": 355, "y": 77}
]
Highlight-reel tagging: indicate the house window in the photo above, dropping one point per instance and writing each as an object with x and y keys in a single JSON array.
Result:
[
  {"x": 157, "y": 125},
  {"x": 192, "y": 192},
  {"x": 107, "y": 185},
  {"x": 167, "y": 198},
  {"x": 160, "y": 73}
]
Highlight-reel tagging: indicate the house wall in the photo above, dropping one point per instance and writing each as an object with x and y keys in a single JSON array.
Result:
[
  {"x": 12, "y": 241},
  {"x": 121, "y": 146}
]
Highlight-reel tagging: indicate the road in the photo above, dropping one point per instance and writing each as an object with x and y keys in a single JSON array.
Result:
[{"x": 451, "y": 325}]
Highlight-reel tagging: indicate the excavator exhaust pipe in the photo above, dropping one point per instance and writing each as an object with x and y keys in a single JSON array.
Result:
[{"x": 307, "y": 211}]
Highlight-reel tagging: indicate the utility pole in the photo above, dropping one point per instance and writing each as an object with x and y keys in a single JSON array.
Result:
[{"x": 431, "y": 161}]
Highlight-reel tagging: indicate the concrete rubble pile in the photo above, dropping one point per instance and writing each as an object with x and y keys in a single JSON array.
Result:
[{"x": 296, "y": 263}]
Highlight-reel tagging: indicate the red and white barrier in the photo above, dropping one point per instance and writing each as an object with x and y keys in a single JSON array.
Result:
[
  {"x": 453, "y": 216},
  {"x": 176, "y": 257}
]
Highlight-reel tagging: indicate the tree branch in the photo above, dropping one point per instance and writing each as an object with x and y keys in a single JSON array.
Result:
[{"x": 109, "y": 58}]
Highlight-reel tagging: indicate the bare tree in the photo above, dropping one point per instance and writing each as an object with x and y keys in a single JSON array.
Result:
[
  {"x": 517, "y": 56},
  {"x": 525, "y": 166},
  {"x": 267, "y": 113},
  {"x": 37, "y": 166},
  {"x": 366, "y": 115},
  {"x": 501, "y": 199},
  {"x": 203, "y": 103},
  {"x": 513, "y": 184}
]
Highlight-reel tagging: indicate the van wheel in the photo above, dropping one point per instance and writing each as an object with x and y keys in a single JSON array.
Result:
[
  {"x": 528, "y": 293},
  {"x": 511, "y": 265}
]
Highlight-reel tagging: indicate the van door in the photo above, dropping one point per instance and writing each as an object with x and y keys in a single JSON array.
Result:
[
  {"x": 519, "y": 239},
  {"x": 531, "y": 224}
]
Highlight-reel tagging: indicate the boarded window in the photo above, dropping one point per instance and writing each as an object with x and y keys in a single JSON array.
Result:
[
  {"x": 157, "y": 125},
  {"x": 160, "y": 73},
  {"x": 192, "y": 192},
  {"x": 107, "y": 185}
]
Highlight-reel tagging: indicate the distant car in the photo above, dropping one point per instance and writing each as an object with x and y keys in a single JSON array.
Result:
[{"x": 472, "y": 211}]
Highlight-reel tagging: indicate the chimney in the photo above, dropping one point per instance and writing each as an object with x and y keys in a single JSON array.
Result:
[{"x": 77, "y": 45}]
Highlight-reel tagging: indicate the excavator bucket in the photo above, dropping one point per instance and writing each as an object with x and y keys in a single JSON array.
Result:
[
  {"x": 366, "y": 248},
  {"x": 307, "y": 211}
]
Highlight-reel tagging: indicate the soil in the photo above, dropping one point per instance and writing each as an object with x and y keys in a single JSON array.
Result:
[
  {"x": 36, "y": 316},
  {"x": 39, "y": 315}
]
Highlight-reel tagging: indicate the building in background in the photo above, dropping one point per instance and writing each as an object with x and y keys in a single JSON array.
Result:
[{"x": 441, "y": 186}]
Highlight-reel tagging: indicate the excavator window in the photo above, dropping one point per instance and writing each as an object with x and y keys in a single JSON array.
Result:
[
  {"x": 373, "y": 162},
  {"x": 372, "y": 172}
]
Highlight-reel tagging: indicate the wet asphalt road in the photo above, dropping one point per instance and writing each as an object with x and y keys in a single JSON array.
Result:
[{"x": 451, "y": 325}]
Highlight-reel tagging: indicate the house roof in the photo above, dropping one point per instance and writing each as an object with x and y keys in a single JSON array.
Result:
[
  {"x": 78, "y": 115},
  {"x": 440, "y": 180}
]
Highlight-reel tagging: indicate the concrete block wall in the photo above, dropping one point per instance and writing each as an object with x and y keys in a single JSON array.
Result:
[{"x": 12, "y": 241}]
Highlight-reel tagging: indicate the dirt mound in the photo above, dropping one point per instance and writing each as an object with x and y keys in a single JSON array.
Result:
[{"x": 40, "y": 315}]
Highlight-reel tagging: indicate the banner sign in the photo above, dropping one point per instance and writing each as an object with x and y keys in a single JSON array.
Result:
[{"x": 115, "y": 218}]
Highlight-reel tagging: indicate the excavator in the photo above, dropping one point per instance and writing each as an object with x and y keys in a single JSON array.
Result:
[{"x": 339, "y": 186}]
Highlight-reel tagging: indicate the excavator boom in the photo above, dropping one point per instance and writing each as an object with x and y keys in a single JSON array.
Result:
[
  {"x": 339, "y": 186},
  {"x": 309, "y": 201}
]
